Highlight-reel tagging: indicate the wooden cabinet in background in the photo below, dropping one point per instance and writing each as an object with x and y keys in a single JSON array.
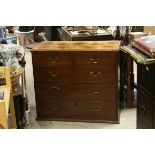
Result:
[
  {"x": 145, "y": 87},
  {"x": 146, "y": 96},
  {"x": 77, "y": 81},
  {"x": 69, "y": 35}
]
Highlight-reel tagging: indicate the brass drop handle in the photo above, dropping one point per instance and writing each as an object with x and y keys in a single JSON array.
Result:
[
  {"x": 144, "y": 72},
  {"x": 95, "y": 60},
  {"x": 54, "y": 88},
  {"x": 55, "y": 108},
  {"x": 95, "y": 74},
  {"x": 53, "y": 73},
  {"x": 95, "y": 92},
  {"x": 147, "y": 68},
  {"x": 53, "y": 59},
  {"x": 96, "y": 108}
]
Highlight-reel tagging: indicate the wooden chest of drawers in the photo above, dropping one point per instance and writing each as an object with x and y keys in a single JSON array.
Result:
[
  {"x": 76, "y": 81},
  {"x": 146, "y": 96}
]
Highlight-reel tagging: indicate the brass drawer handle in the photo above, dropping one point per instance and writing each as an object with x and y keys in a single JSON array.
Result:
[
  {"x": 95, "y": 74},
  {"x": 96, "y": 108},
  {"x": 95, "y": 60},
  {"x": 145, "y": 72},
  {"x": 54, "y": 88},
  {"x": 54, "y": 74},
  {"x": 147, "y": 68},
  {"x": 53, "y": 59},
  {"x": 95, "y": 92},
  {"x": 55, "y": 108}
]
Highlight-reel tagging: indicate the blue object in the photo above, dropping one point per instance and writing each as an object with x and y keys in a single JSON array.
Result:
[
  {"x": 9, "y": 41},
  {"x": 3, "y": 41},
  {"x": 2, "y": 32}
]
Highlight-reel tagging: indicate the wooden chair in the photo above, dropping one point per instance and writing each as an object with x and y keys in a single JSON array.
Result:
[{"x": 6, "y": 103}]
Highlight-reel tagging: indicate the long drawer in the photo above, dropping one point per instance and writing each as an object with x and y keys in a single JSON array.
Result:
[
  {"x": 105, "y": 110},
  {"x": 48, "y": 60},
  {"x": 81, "y": 74},
  {"x": 73, "y": 91}
]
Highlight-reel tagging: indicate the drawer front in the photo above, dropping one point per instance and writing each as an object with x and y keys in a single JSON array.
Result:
[
  {"x": 96, "y": 60},
  {"x": 62, "y": 91},
  {"x": 144, "y": 109},
  {"x": 146, "y": 77},
  {"x": 104, "y": 110},
  {"x": 54, "y": 91},
  {"x": 48, "y": 60},
  {"x": 90, "y": 92},
  {"x": 95, "y": 75},
  {"x": 53, "y": 74}
]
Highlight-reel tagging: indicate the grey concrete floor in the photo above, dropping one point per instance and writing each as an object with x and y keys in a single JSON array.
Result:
[{"x": 127, "y": 116}]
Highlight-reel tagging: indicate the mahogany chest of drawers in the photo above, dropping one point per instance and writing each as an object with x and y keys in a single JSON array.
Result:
[{"x": 77, "y": 81}]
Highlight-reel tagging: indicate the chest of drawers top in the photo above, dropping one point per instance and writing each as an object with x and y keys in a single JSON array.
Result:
[{"x": 105, "y": 46}]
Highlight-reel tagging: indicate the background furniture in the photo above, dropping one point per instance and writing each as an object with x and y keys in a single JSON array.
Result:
[
  {"x": 69, "y": 35},
  {"x": 145, "y": 88},
  {"x": 146, "y": 96},
  {"x": 127, "y": 83},
  {"x": 25, "y": 37},
  {"x": 51, "y": 33},
  {"x": 11, "y": 54},
  {"x": 76, "y": 81},
  {"x": 7, "y": 103}
]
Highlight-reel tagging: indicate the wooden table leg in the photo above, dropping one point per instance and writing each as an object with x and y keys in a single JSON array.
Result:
[
  {"x": 130, "y": 81},
  {"x": 12, "y": 112}
]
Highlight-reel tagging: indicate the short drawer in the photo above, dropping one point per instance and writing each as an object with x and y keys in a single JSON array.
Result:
[
  {"x": 62, "y": 91},
  {"x": 53, "y": 74},
  {"x": 91, "y": 92},
  {"x": 48, "y": 59},
  {"x": 83, "y": 110},
  {"x": 144, "y": 109},
  {"x": 95, "y": 75},
  {"x": 54, "y": 91},
  {"x": 145, "y": 78},
  {"x": 108, "y": 60}
]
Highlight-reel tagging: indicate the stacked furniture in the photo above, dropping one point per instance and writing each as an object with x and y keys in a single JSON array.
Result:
[{"x": 77, "y": 81}]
